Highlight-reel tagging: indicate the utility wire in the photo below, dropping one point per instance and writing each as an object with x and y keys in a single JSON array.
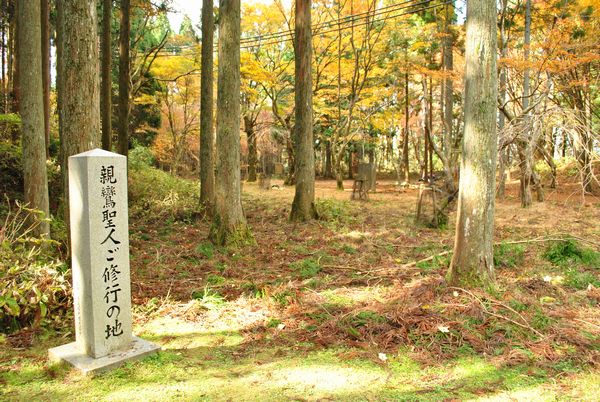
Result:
[
  {"x": 364, "y": 18},
  {"x": 341, "y": 21}
]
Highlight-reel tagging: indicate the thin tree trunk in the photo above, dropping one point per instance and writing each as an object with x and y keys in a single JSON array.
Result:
[
  {"x": 406, "y": 131},
  {"x": 15, "y": 65},
  {"x": 504, "y": 155},
  {"x": 4, "y": 54},
  {"x": 473, "y": 258},
  {"x": 32, "y": 112},
  {"x": 124, "y": 79},
  {"x": 252, "y": 152},
  {"x": 45, "y": 37},
  {"x": 79, "y": 84},
  {"x": 328, "y": 165},
  {"x": 303, "y": 206},
  {"x": 229, "y": 223},
  {"x": 525, "y": 151},
  {"x": 207, "y": 135},
  {"x": 106, "y": 89}
]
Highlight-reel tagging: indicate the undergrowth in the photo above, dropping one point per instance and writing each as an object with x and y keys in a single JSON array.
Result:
[
  {"x": 155, "y": 195},
  {"x": 35, "y": 285}
]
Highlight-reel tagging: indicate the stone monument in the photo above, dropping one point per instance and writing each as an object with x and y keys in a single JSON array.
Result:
[{"x": 100, "y": 266}]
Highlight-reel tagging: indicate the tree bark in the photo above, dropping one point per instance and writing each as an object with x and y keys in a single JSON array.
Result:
[
  {"x": 252, "y": 152},
  {"x": 505, "y": 153},
  {"x": 328, "y": 174},
  {"x": 106, "y": 89},
  {"x": 31, "y": 107},
  {"x": 207, "y": 135},
  {"x": 405, "y": 148},
  {"x": 525, "y": 151},
  {"x": 79, "y": 86},
  {"x": 124, "y": 79},
  {"x": 45, "y": 37},
  {"x": 229, "y": 224},
  {"x": 303, "y": 206},
  {"x": 3, "y": 61},
  {"x": 15, "y": 92},
  {"x": 473, "y": 259}
]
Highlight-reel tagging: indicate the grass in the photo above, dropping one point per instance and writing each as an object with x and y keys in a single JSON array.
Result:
[
  {"x": 201, "y": 364},
  {"x": 308, "y": 313}
]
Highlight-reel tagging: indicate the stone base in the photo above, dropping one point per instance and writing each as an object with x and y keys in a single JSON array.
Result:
[{"x": 90, "y": 366}]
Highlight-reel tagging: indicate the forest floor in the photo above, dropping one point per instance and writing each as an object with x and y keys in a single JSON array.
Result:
[{"x": 351, "y": 307}]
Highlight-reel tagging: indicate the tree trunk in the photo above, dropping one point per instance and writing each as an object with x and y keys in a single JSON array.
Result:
[
  {"x": 3, "y": 61},
  {"x": 473, "y": 259},
  {"x": 303, "y": 206},
  {"x": 124, "y": 79},
  {"x": 207, "y": 135},
  {"x": 525, "y": 151},
  {"x": 290, "y": 180},
  {"x": 229, "y": 224},
  {"x": 504, "y": 156},
  {"x": 405, "y": 147},
  {"x": 448, "y": 84},
  {"x": 45, "y": 37},
  {"x": 328, "y": 165},
  {"x": 252, "y": 152},
  {"x": 32, "y": 112},
  {"x": 79, "y": 86},
  {"x": 106, "y": 89},
  {"x": 15, "y": 93}
]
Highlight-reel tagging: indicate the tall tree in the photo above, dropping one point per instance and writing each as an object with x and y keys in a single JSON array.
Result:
[
  {"x": 524, "y": 146},
  {"x": 303, "y": 206},
  {"x": 473, "y": 260},
  {"x": 229, "y": 222},
  {"x": 31, "y": 107},
  {"x": 106, "y": 83},
  {"x": 78, "y": 82},
  {"x": 45, "y": 37},
  {"x": 207, "y": 136},
  {"x": 124, "y": 78}
]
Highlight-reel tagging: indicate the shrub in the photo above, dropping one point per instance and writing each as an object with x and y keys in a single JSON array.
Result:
[
  {"x": 34, "y": 285},
  {"x": 156, "y": 195},
  {"x": 568, "y": 251},
  {"x": 509, "y": 255},
  {"x": 333, "y": 210}
]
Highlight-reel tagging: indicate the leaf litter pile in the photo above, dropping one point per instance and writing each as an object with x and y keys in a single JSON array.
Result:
[{"x": 367, "y": 277}]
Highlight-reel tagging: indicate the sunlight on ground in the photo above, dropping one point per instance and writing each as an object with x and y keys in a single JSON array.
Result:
[{"x": 328, "y": 378}]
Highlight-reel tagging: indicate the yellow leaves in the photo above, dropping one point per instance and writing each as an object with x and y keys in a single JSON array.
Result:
[
  {"x": 169, "y": 68},
  {"x": 253, "y": 70},
  {"x": 145, "y": 99}
]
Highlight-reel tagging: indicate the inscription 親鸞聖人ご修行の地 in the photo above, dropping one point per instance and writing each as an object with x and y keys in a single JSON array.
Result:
[{"x": 100, "y": 265}]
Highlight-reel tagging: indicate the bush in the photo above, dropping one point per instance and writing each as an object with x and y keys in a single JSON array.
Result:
[
  {"x": 568, "y": 251},
  {"x": 34, "y": 285},
  {"x": 509, "y": 255},
  {"x": 11, "y": 170},
  {"x": 141, "y": 157},
  {"x": 332, "y": 210},
  {"x": 155, "y": 195}
]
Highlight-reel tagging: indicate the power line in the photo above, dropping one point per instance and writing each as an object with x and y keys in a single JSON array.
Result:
[
  {"x": 366, "y": 22},
  {"x": 340, "y": 21},
  {"x": 364, "y": 18}
]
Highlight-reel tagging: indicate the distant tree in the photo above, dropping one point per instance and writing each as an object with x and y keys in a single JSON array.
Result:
[
  {"x": 207, "y": 135},
  {"x": 229, "y": 223},
  {"x": 31, "y": 107},
  {"x": 473, "y": 259},
  {"x": 303, "y": 206}
]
